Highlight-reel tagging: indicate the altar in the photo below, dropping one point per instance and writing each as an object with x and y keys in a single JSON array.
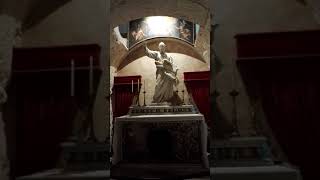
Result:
[{"x": 163, "y": 139}]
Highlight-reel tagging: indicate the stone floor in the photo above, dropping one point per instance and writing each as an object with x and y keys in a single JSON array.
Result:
[
  {"x": 158, "y": 171},
  {"x": 57, "y": 174},
  {"x": 276, "y": 172},
  {"x": 206, "y": 178}
]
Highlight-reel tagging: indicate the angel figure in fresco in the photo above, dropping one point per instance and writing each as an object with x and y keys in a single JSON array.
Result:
[
  {"x": 166, "y": 76},
  {"x": 184, "y": 33},
  {"x": 138, "y": 34}
]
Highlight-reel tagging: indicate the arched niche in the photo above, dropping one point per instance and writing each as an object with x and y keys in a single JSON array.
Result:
[
  {"x": 196, "y": 11},
  {"x": 173, "y": 46}
]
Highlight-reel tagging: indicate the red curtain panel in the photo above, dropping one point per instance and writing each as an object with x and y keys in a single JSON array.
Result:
[
  {"x": 282, "y": 70},
  {"x": 43, "y": 107},
  {"x": 292, "y": 109},
  {"x": 198, "y": 86},
  {"x": 123, "y": 95}
]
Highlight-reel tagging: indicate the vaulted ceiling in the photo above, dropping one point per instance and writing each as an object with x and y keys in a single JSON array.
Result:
[{"x": 30, "y": 12}]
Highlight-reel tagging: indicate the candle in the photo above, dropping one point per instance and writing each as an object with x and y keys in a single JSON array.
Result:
[
  {"x": 132, "y": 86},
  {"x": 91, "y": 76},
  {"x": 72, "y": 78},
  {"x": 144, "y": 85},
  {"x": 138, "y": 85}
]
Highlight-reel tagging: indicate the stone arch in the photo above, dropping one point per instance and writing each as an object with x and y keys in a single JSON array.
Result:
[{"x": 173, "y": 45}]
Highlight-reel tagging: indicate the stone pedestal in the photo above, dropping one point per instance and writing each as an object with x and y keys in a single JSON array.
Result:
[
  {"x": 85, "y": 156},
  {"x": 241, "y": 152},
  {"x": 247, "y": 158},
  {"x": 61, "y": 174},
  {"x": 274, "y": 172},
  {"x": 83, "y": 161}
]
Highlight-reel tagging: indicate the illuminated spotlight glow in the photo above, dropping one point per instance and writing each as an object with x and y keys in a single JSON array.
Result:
[{"x": 161, "y": 25}]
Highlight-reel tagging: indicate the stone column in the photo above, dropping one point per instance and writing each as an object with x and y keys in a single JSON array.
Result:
[
  {"x": 112, "y": 75},
  {"x": 8, "y": 30}
]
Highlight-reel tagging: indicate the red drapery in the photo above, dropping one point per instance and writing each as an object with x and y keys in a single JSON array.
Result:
[
  {"x": 123, "y": 95},
  {"x": 46, "y": 122},
  {"x": 44, "y": 114},
  {"x": 198, "y": 85},
  {"x": 43, "y": 107},
  {"x": 282, "y": 69},
  {"x": 292, "y": 108}
]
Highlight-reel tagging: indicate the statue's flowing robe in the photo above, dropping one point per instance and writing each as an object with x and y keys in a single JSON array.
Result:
[{"x": 165, "y": 78}]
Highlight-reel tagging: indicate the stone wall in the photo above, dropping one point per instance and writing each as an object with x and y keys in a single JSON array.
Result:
[
  {"x": 250, "y": 16},
  {"x": 79, "y": 22},
  {"x": 8, "y": 30},
  {"x": 83, "y": 22},
  {"x": 315, "y": 5}
]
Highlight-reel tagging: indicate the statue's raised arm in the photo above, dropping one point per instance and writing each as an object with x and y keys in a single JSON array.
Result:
[{"x": 149, "y": 53}]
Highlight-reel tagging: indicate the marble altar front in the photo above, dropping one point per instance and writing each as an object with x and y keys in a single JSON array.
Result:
[{"x": 141, "y": 139}]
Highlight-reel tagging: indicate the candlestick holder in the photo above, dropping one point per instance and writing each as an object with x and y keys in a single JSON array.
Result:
[
  {"x": 183, "y": 97},
  {"x": 144, "y": 98},
  {"x": 92, "y": 138},
  {"x": 235, "y": 129},
  {"x": 253, "y": 116},
  {"x": 138, "y": 98},
  {"x": 213, "y": 98}
]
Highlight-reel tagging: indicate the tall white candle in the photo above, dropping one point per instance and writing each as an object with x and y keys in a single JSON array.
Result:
[
  {"x": 72, "y": 78},
  {"x": 91, "y": 76},
  {"x": 132, "y": 86},
  {"x": 144, "y": 85}
]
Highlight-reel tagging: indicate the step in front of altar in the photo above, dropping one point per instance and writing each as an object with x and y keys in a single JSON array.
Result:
[{"x": 158, "y": 171}]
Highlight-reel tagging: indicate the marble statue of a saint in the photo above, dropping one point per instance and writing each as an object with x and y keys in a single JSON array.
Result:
[{"x": 166, "y": 76}]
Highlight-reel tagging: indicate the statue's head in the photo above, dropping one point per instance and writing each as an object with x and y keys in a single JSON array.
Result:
[{"x": 162, "y": 47}]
